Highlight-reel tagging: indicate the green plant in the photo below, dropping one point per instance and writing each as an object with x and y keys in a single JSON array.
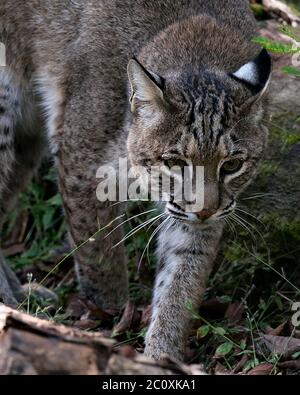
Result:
[{"x": 280, "y": 48}]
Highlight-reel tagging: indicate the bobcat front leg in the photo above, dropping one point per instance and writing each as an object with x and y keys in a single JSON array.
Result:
[
  {"x": 101, "y": 267},
  {"x": 186, "y": 256}
]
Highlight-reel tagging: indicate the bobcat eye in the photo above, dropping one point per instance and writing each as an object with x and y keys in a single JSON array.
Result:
[
  {"x": 174, "y": 162},
  {"x": 232, "y": 166}
]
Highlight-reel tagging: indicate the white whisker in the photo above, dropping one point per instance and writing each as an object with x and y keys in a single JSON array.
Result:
[
  {"x": 250, "y": 215},
  {"x": 116, "y": 203},
  {"x": 231, "y": 226},
  {"x": 151, "y": 238},
  {"x": 153, "y": 223},
  {"x": 127, "y": 220},
  {"x": 136, "y": 229},
  {"x": 238, "y": 220},
  {"x": 257, "y": 196},
  {"x": 252, "y": 226}
]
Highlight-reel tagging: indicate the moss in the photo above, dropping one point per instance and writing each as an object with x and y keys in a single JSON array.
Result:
[
  {"x": 289, "y": 227},
  {"x": 268, "y": 168},
  {"x": 286, "y": 137},
  {"x": 234, "y": 253}
]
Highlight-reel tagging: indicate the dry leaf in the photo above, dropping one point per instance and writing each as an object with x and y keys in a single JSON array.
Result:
[
  {"x": 129, "y": 320},
  {"x": 278, "y": 330},
  {"x": 96, "y": 313},
  {"x": 14, "y": 250},
  {"x": 86, "y": 324},
  {"x": 240, "y": 364},
  {"x": 280, "y": 345},
  {"x": 127, "y": 351},
  {"x": 261, "y": 370},
  {"x": 220, "y": 369},
  {"x": 76, "y": 307},
  {"x": 290, "y": 364},
  {"x": 82, "y": 309},
  {"x": 235, "y": 312},
  {"x": 146, "y": 316},
  {"x": 296, "y": 333}
]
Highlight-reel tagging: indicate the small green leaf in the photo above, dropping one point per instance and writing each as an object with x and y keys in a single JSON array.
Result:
[
  {"x": 224, "y": 299},
  {"x": 262, "y": 304},
  {"x": 189, "y": 306},
  {"x": 219, "y": 331},
  {"x": 243, "y": 344},
  {"x": 296, "y": 355},
  {"x": 203, "y": 331},
  {"x": 250, "y": 364},
  {"x": 275, "y": 47},
  {"x": 278, "y": 302},
  {"x": 291, "y": 70},
  {"x": 258, "y": 10},
  {"x": 48, "y": 218},
  {"x": 55, "y": 200},
  {"x": 288, "y": 32},
  {"x": 224, "y": 349}
]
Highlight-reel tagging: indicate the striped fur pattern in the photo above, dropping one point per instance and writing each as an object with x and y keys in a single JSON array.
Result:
[
  {"x": 9, "y": 113},
  {"x": 194, "y": 91}
]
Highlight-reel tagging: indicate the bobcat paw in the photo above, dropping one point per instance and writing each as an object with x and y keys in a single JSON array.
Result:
[{"x": 159, "y": 351}]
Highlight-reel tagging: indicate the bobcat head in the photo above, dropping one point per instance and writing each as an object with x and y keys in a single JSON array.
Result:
[{"x": 207, "y": 118}]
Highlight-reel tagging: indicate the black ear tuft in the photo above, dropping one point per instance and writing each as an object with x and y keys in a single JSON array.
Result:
[
  {"x": 158, "y": 80},
  {"x": 256, "y": 73},
  {"x": 146, "y": 86},
  {"x": 263, "y": 64}
]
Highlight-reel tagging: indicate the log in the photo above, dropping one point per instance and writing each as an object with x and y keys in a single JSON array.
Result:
[
  {"x": 32, "y": 346},
  {"x": 278, "y": 9}
]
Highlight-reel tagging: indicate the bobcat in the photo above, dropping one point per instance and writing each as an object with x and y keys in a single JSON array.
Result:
[{"x": 157, "y": 81}]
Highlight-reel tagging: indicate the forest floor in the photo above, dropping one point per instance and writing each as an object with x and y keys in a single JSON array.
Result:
[{"x": 244, "y": 324}]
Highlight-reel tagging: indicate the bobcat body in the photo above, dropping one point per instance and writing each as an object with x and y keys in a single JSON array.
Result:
[{"x": 154, "y": 81}]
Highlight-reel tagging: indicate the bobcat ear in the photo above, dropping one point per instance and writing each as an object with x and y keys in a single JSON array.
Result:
[
  {"x": 145, "y": 86},
  {"x": 256, "y": 75}
]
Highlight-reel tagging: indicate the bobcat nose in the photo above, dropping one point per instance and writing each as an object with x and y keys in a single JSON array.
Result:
[{"x": 206, "y": 213}]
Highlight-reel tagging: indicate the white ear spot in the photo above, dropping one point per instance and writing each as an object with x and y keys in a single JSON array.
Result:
[
  {"x": 256, "y": 73},
  {"x": 248, "y": 73}
]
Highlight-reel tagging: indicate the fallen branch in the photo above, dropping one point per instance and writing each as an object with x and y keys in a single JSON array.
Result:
[
  {"x": 278, "y": 9},
  {"x": 29, "y": 345}
]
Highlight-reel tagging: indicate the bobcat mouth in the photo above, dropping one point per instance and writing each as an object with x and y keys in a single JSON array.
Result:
[{"x": 176, "y": 212}]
